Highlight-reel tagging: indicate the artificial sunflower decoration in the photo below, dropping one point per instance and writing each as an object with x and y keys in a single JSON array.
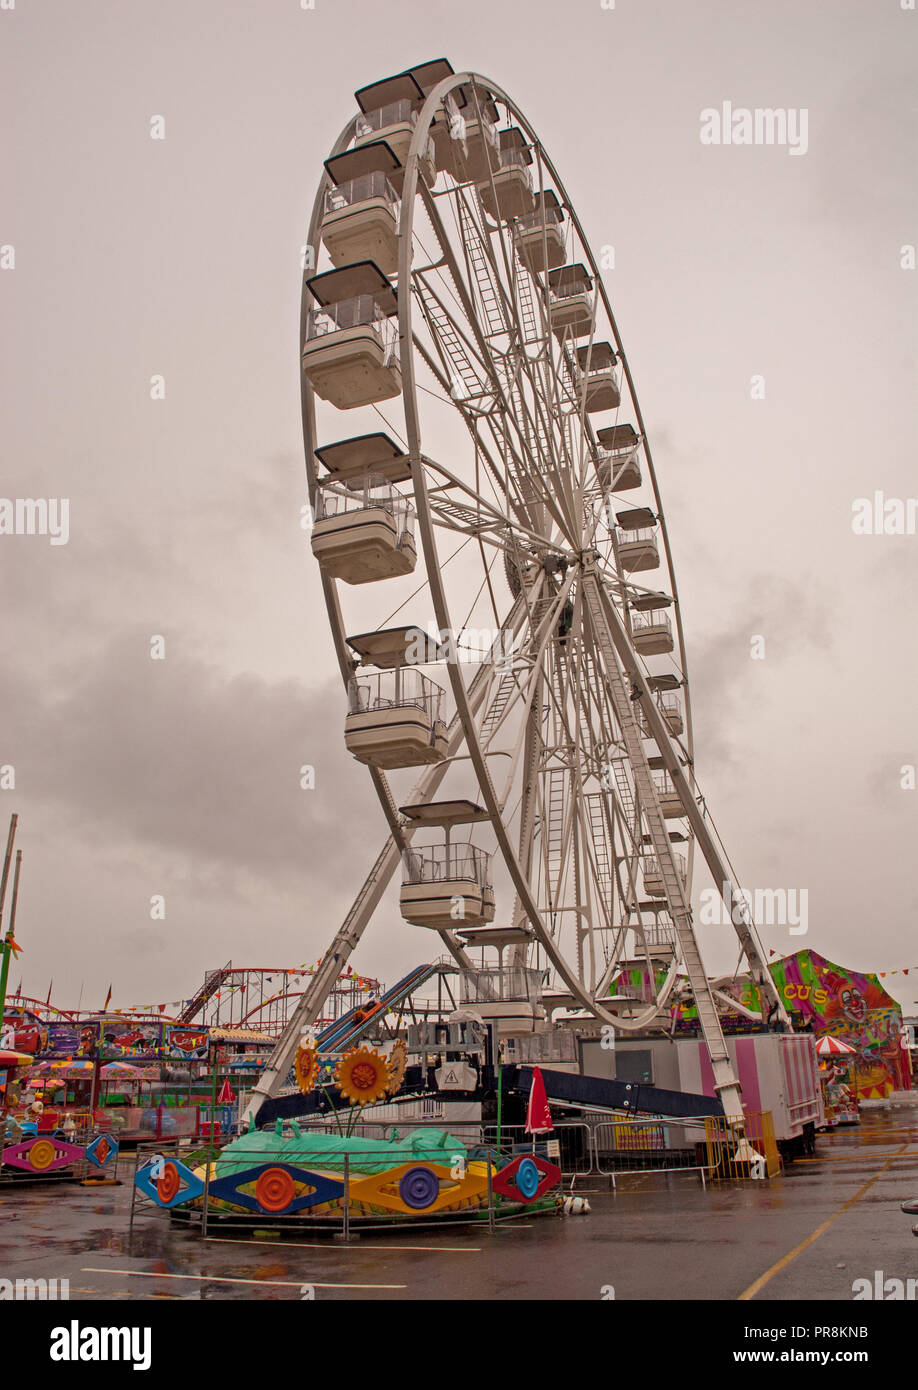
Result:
[
  {"x": 398, "y": 1062},
  {"x": 362, "y": 1076},
  {"x": 306, "y": 1066}
]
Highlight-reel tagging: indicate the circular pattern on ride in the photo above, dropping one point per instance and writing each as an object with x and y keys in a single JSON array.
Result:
[
  {"x": 275, "y": 1190},
  {"x": 527, "y": 1178},
  {"x": 362, "y": 1075},
  {"x": 306, "y": 1065},
  {"x": 168, "y": 1183},
  {"x": 419, "y": 1188},
  {"x": 42, "y": 1154}
]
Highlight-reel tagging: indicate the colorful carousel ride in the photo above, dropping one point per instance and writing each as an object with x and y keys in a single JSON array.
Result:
[
  {"x": 71, "y": 1153},
  {"x": 291, "y": 1175}
]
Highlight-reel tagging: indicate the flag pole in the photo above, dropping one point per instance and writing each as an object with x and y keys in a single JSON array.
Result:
[
  {"x": 9, "y": 938},
  {"x": 6, "y": 948},
  {"x": 14, "y": 821},
  {"x": 213, "y": 1093}
]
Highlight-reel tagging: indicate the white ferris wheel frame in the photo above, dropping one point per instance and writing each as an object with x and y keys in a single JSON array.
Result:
[{"x": 616, "y": 646}]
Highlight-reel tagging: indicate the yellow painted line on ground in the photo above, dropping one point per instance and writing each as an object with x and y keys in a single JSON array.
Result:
[
  {"x": 320, "y": 1245},
  {"x": 225, "y": 1279},
  {"x": 882, "y": 1130},
  {"x": 858, "y": 1157},
  {"x": 787, "y": 1259}
]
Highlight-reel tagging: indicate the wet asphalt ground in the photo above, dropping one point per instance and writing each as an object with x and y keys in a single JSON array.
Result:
[{"x": 806, "y": 1235}]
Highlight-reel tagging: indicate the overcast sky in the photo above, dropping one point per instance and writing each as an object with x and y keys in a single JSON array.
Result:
[{"x": 180, "y": 257}]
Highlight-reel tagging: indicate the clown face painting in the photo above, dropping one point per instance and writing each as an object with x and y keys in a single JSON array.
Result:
[{"x": 853, "y": 1004}]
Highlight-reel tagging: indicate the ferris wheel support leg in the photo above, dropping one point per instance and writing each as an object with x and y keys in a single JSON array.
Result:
[
  {"x": 348, "y": 936},
  {"x": 323, "y": 982},
  {"x": 739, "y": 913},
  {"x": 527, "y": 812},
  {"x": 333, "y": 962},
  {"x": 611, "y": 638}
]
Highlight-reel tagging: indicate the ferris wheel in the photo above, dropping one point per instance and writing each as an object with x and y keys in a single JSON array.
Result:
[{"x": 498, "y": 576}]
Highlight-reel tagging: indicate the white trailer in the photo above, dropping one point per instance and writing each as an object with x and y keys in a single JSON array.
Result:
[{"x": 778, "y": 1072}]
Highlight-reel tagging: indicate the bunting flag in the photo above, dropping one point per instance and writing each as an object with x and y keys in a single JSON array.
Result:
[
  {"x": 108, "y": 999},
  {"x": 14, "y": 946},
  {"x": 347, "y": 977}
]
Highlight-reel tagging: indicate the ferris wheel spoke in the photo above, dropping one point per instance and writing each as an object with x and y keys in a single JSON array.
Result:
[
  {"x": 536, "y": 636},
  {"x": 519, "y": 499},
  {"x": 503, "y": 369}
]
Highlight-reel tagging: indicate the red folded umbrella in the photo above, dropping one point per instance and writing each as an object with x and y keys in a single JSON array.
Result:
[{"x": 538, "y": 1115}]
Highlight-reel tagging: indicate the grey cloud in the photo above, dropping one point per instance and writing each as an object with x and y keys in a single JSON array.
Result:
[
  {"x": 792, "y": 618},
  {"x": 174, "y": 754}
]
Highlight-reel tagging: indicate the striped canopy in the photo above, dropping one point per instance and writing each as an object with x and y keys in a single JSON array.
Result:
[
  {"x": 66, "y": 1068},
  {"x": 833, "y": 1047}
]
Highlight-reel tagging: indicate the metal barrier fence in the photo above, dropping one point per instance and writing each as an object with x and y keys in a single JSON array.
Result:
[
  {"x": 754, "y": 1155},
  {"x": 648, "y": 1145},
  {"x": 612, "y": 1146}
]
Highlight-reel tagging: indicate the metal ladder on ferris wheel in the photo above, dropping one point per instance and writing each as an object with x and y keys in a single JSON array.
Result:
[
  {"x": 462, "y": 371},
  {"x": 467, "y": 385},
  {"x": 706, "y": 838},
  {"x": 494, "y": 313},
  {"x": 554, "y": 825},
  {"x": 533, "y": 333},
  {"x": 630, "y": 811},
  {"x": 496, "y": 319},
  {"x": 599, "y": 834},
  {"x": 725, "y": 1082},
  {"x": 597, "y": 823},
  {"x": 532, "y": 433},
  {"x": 499, "y": 701},
  {"x": 532, "y": 329}
]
